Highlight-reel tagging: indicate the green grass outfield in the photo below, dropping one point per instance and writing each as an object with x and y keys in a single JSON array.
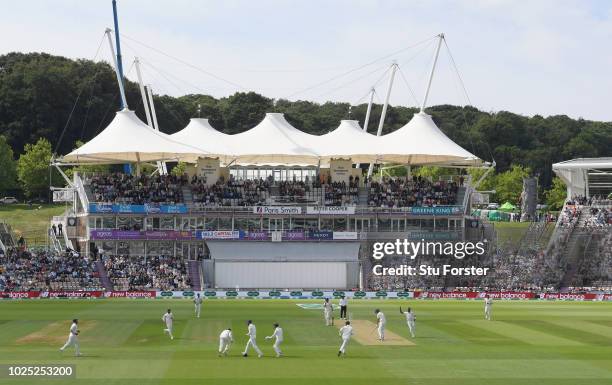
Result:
[{"x": 527, "y": 343}]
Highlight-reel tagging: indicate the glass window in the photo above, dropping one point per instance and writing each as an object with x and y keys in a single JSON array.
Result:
[
  {"x": 340, "y": 224},
  {"x": 327, "y": 224},
  {"x": 108, "y": 223},
  {"x": 384, "y": 224},
  {"x": 241, "y": 224},
  {"x": 225, "y": 223}
]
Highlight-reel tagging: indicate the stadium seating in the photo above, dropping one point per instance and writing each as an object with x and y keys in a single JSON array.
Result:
[
  {"x": 130, "y": 189},
  {"x": 137, "y": 273},
  {"x": 41, "y": 270},
  {"x": 406, "y": 192}
]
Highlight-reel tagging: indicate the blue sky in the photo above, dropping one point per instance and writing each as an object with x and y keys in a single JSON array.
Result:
[{"x": 530, "y": 57}]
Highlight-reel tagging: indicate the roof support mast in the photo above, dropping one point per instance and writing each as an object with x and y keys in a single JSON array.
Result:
[
  {"x": 431, "y": 73},
  {"x": 368, "y": 111},
  {"x": 384, "y": 110},
  {"x": 119, "y": 76},
  {"x": 143, "y": 94},
  {"x": 160, "y": 165}
]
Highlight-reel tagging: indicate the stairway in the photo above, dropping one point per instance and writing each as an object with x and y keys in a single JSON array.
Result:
[
  {"x": 363, "y": 196},
  {"x": 187, "y": 196},
  {"x": 193, "y": 269},
  {"x": 460, "y": 195},
  {"x": 104, "y": 280},
  {"x": 574, "y": 250}
]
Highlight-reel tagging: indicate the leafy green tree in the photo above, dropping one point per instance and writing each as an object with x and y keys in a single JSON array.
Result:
[
  {"x": 33, "y": 169},
  {"x": 555, "y": 197},
  {"x": 242, "y": 111},
  {"x": 433, "y": 172},
  {"x": 509, "y": 184},
  {"x": 8, "y": 166},
  {"x": 179, "y": 169}
]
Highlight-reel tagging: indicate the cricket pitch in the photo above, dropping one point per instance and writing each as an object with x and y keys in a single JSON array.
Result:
[{"x": 365, "y": 333}]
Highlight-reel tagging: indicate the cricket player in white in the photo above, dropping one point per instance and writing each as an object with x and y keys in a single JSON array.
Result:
[
  {"x": 225, "y": 340},
  {"x": 345, "y": 332},
  {"x": 410, "y": 320},
  {"x": 278, "y": 334},
  {"x": 252, "y": 334},
  {"x": 73, "y": 338},
  {"x": 382, "y": 321},
  {"x": 168, "y": 318},
  {"x": 198, "y": 305},
  {"x": 328, "y": 310},
  {"x": 488, "y": 305}
]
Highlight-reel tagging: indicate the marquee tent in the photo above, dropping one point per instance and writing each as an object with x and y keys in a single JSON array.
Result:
[
  {"x": 200, "y": 132},
  {"x": 128, "y": 139},
  {"x": 420, "y": 141},
  {"x": 273, "y": 141},
  {"x": 348, "y": 140}
]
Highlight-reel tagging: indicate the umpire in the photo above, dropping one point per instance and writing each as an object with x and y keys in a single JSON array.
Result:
[{"x": 343, "y": 306}]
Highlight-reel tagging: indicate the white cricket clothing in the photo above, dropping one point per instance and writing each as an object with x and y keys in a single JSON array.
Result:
[
  {"x": 252, "y": 333},
  {"x": 488, "y": 306},
  {"x": 227, "y": 334},
  {"x": 409, "y": 316},
  {"x": 327, "y": 312},
  {"x": 198, "y": 306},
  {"x": 278, "y": 334},
  {"x": 225, "y": 340},
  {"x": 343, "y": 301},
  {"x": 73, "y": 339},
  {"x": 381, "y": 325},
  {"x": 345, "y": 332},
  {"x": 168, "y": 318},
  {"x": 410, "y": 320}
]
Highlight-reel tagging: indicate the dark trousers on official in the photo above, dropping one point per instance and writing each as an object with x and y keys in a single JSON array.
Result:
[{"x": 342, "y": 311}]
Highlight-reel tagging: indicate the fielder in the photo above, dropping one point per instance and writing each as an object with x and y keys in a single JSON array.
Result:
[
  {"x": 328, "y": 310},
  {"x": 488, "y": 307},
  {"x": 345, "y": 332},
  {"x": 73, "y": 338},
  {"x": 198, "y": 305},
  {"x": 168, "y": 318},
  {"x": 252, "y": 334},
  {"x": 410, "y": 318},
  {"x": 278, "y": 334},
  {"x": 225, "y": 340},
  {"x": 381, "y": 321}
]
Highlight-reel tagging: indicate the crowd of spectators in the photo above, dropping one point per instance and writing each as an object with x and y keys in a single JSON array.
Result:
[
  {"x": 130, "y": 189},
  {"x": 598, "y": 218},
  {"x": 138, "y": 273},
  {"x": 387, "y": 193},
  {"x": 22, "y": 270},
  {"x": 407, "y": 192},
  {"x": 342, "y": 194},
  {"x": 229, "y": 193}
]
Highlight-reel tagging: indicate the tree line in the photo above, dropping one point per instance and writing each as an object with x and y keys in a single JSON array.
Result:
[{"x": 63, "y": 101}]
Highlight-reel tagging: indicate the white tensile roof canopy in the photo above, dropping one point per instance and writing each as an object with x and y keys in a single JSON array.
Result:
[
  {"x": 273, "y": 141},
  {"x": 128, "y": 139},
  {"x": 420, "y": 141},
  {"x": 200, "y": 133}
]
